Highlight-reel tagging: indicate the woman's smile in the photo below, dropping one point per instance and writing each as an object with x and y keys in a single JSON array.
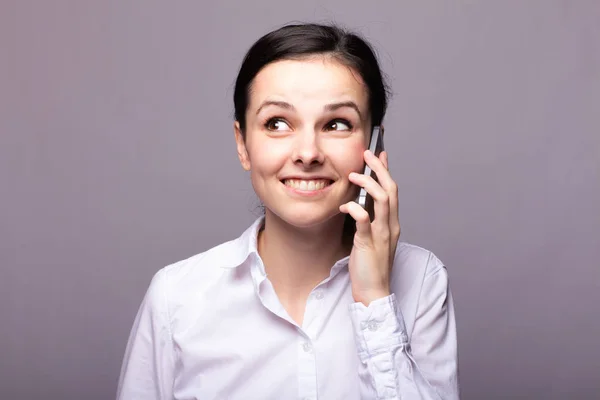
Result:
[{"x": 307, "y": 187}]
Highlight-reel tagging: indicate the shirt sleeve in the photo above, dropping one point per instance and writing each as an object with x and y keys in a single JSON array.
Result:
[
  {"x": 147, "y": 369},
  {"x": 426, "y": 367}
]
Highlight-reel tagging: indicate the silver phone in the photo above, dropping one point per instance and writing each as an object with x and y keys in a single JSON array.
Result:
[{"x": 376, "y": 147}]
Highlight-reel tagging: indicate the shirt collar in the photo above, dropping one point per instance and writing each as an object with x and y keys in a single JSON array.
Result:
[{"x": 245, "y": 246}]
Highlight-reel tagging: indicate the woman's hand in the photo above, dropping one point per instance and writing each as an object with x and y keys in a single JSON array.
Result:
[{"x": 375, "y": 242}]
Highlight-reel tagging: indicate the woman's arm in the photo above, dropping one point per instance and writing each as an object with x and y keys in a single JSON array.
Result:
[
  {"x": 147, "y": 370},
  {"x": 394, "y": 367}
]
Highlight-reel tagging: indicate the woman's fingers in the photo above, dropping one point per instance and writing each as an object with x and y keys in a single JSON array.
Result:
[
  {"x": 384, "y": 159},
  {"x": 361, "y": 216},
  {"x": 380, "y": 197},
  {"x": 392, "y": 191},
  {"x": 385, "y": 227},
  {"x": 381, "y": 170}
]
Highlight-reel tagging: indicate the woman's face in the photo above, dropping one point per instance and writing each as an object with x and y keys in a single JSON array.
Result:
[{"x": 307, "y": 126}]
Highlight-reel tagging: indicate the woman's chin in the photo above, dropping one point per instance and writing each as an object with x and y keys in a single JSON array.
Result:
[{"x": 307, "y": 217}]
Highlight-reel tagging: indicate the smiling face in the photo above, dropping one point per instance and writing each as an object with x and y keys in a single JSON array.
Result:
[{"x": 307, "y": 126}]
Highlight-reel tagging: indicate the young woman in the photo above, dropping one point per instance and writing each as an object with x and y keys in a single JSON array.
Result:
[{"x": 314, "y": 300}]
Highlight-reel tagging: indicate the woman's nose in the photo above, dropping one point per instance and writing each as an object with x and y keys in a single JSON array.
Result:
[{"x": 307, "y": 150}]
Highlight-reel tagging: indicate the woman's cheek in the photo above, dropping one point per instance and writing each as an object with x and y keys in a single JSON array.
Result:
[
  {"x": 354, "y": 157},
  {"x": 268, "y": 157}
]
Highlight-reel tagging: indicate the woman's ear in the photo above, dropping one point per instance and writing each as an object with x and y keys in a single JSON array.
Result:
[{"x": 241, "y": 146}]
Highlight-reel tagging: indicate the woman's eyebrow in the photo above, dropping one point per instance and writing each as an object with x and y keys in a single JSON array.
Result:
[
  {"x": 343, "y": 104},
  {"x": 281, "y": 104},
  {"x": 328, "y": 107}
]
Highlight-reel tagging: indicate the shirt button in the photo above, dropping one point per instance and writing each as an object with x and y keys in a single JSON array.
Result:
[
  {"x": 372, "y": 326},
  {"x": 307, "y": 347},
  {"x": 319, "y": 295}
]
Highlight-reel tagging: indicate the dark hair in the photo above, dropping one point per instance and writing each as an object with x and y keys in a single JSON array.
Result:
[{"x": 294, "y": 42}]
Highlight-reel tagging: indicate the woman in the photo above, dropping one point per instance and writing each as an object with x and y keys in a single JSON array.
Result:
[{"x": 313, "y": 301}]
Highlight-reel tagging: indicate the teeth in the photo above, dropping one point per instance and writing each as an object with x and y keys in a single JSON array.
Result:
[{"x": 305, "y": 185}]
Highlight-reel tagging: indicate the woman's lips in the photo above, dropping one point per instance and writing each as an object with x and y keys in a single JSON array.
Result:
[{"x": 307, "y": 187}]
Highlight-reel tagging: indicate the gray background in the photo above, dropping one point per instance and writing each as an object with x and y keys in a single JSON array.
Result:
[{"x": 117, "y": 157}]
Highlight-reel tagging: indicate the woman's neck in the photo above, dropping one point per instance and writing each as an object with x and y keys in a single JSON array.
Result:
[{"x": 296, "y": 259}]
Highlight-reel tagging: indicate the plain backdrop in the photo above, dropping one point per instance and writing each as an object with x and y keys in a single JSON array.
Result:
[{"x": 117, "y": 158}]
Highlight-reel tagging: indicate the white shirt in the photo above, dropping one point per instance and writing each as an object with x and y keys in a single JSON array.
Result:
[{"x": 212, "y": 327}]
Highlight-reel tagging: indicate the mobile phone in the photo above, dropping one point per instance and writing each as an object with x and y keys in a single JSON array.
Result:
[{"x": 376, "y": 147}]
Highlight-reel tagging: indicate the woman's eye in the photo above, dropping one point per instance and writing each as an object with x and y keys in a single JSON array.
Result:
[
  {"x": 339, "y": 125},
  {"x": 276, "y": 124}
]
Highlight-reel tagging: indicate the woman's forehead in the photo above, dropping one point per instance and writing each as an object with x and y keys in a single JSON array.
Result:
[{"x": 321, "y": 80}]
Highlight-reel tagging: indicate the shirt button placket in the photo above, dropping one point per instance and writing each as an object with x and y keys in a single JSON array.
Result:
[
  {"x": 307, "y": 347},
  {"x": 307, "y": 370},
  {"x": 372, "y": 326},
  {"x": 307, "y": 366}
]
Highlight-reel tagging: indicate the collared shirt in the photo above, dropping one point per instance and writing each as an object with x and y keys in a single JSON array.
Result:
[{"x": 212, "y": 327}]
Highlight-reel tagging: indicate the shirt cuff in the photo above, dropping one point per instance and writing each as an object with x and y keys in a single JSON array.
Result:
[{"x": 378, "y": 328}]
